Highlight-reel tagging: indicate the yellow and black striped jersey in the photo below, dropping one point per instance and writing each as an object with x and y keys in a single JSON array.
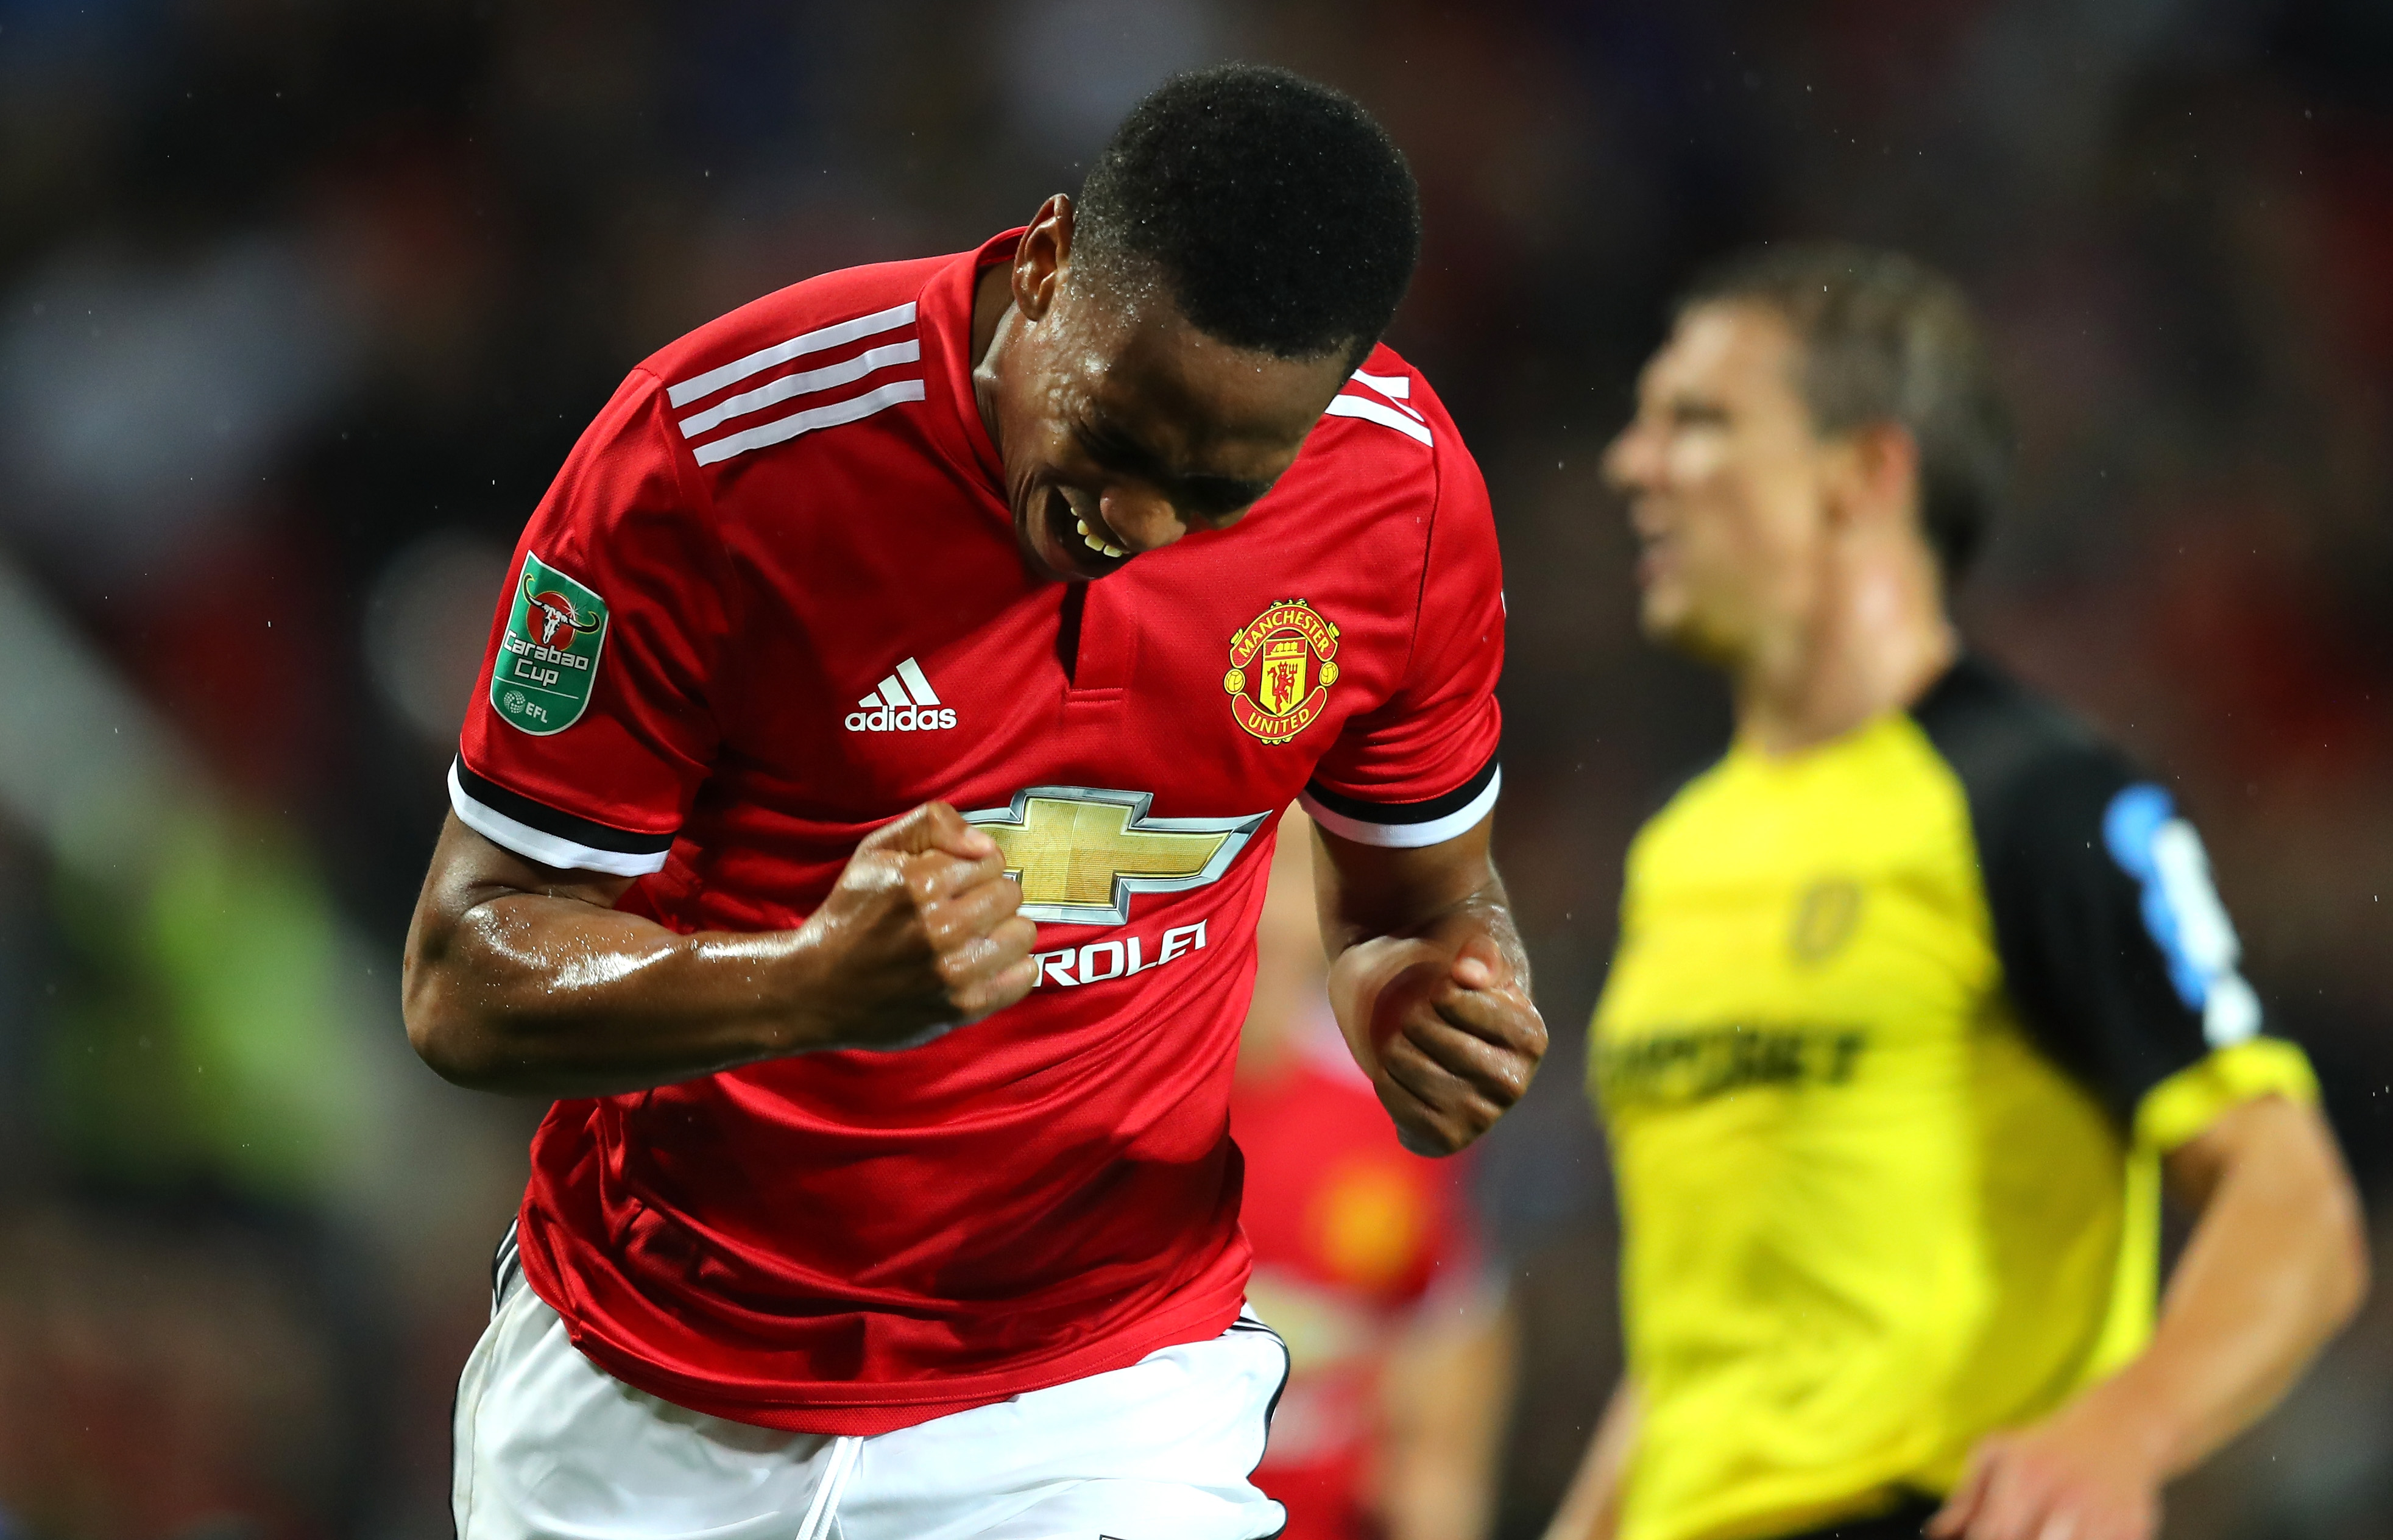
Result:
[{"x": 1898, "y": 1030}]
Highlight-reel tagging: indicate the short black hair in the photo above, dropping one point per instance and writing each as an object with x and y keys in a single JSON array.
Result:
[
  {"x": 1280, "y": 215},
  {"x": 1885, "y": 338}
]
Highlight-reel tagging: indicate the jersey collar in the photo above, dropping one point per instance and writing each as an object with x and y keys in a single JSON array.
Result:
[{"x": 946, "y": 311}]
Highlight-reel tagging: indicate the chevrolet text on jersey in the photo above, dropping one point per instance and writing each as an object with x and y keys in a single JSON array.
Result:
[
  {"x": 1100, "y": 961},
  {"x": 811, "y": 579}
]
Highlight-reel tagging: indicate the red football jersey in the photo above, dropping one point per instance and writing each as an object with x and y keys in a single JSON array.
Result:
[{"x": 774, "y": 600}]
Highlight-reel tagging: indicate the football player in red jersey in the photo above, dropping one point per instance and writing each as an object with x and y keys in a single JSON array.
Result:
[
  {"x": 1366, "y": 1263},
  {"x": 944, "y": 637}
]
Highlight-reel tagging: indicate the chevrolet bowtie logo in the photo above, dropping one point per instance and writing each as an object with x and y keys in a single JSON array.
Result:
[{"x": 1080, "y": 852}]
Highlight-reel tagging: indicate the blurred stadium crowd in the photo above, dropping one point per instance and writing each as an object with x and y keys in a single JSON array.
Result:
[{"x": 301, "y": 302}]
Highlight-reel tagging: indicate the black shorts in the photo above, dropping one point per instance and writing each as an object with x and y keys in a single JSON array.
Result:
[{"x": 1901, "y": 1523}]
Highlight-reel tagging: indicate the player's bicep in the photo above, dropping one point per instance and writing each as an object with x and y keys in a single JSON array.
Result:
[
  {"x": 2281, "y": 1129},
  {"x": 486, "y": 921},
  {"x": 1365, "y": 888},
  {"x": 469, "y": 869}
]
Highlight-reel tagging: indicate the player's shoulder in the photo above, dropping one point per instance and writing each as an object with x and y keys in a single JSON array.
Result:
[
  {"x": 830, "y": 350},
  {"x": 2026, "y": 763},
  {"x": 1387, "y": 419},
  {"x": 814, "y": 315}
]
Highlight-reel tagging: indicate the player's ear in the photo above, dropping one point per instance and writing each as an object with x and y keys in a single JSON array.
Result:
[
  {"x": 1039, "y": 261},
  {"x": 1876, "y": 466}
]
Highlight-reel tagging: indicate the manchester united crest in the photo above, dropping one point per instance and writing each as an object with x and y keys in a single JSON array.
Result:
[{"x": 1282, "y": 664}]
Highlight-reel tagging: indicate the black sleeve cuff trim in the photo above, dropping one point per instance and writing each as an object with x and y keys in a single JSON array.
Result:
[
  {"x": 563, "y": 825},
  {"x": 1428, "y": 811}
]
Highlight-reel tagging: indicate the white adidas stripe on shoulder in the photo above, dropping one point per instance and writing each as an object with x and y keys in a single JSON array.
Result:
[
  {"x": 1385, "y": 413},
  {"x": 805, "y": 384},
  {"x": 830, "y": 415},
  {"x": 807, "y": 381},
  {"x": 1395, "y": 387},
  {"x": 798, "y": 346}
]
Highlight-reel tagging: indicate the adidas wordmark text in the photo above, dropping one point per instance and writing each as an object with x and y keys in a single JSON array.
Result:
[{"x": 902, "y": 704}]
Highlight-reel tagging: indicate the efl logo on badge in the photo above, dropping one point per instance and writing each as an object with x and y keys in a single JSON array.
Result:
[
  {"x": 549, "y": 655},
  {"x": 1282, "y": 664}
]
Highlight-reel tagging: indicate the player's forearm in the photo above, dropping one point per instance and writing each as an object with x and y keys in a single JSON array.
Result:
[
  {"x": 2275, "y": 1266},
  {"x": 526, "y": 978},
  {"x": 1486, "y": 911},
  {"x": 1430, "y": 982},
  {"x": 1436, "y": 1494},
  {"x": 1447, "y": 893},
  {"x": 1591, "y": 1509},
  {"x": 1444, "y": 1399},
  {"x": 538, "y": 996},
  {"x": 1368, "y": 955}
]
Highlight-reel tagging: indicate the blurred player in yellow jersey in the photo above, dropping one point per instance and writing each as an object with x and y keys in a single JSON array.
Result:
[{"x": 1923, "y": 992}]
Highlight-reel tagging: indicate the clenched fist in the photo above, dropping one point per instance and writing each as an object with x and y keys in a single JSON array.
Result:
[
  {"x": 1441, "y": 1025},
  {"x": 919, "y": 936}
]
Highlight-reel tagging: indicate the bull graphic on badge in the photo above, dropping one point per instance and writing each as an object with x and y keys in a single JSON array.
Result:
[
  {"x": 557, "y": 614},
  {"x": 548, "y": 658},
  {"x": 1282, "y": 664}
]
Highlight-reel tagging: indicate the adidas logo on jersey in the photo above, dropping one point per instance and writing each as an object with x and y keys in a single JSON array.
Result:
[{"x": 903, "y": 703}]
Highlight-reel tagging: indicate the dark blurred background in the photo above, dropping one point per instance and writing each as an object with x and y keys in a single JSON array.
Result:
[{"x": 301, "y": 303}]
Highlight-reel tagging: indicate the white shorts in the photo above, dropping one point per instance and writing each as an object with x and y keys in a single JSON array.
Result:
[{"x": 552, "y": 1447}]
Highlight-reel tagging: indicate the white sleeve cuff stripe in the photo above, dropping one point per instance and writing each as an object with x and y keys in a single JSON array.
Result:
[
  {"x": 535, "y": 844},
  {"x": 1406, "y": 836}
]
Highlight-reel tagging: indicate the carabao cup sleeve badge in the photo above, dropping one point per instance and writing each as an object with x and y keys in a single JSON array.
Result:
[
  {"x": 549, "y": 656},
  {"x": 1282, "y": 664}
]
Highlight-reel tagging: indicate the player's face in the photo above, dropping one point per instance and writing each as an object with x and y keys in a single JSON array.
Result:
[
  {"x": 1123, "y": 427},
  {"x": 1725, "y": 481}
]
